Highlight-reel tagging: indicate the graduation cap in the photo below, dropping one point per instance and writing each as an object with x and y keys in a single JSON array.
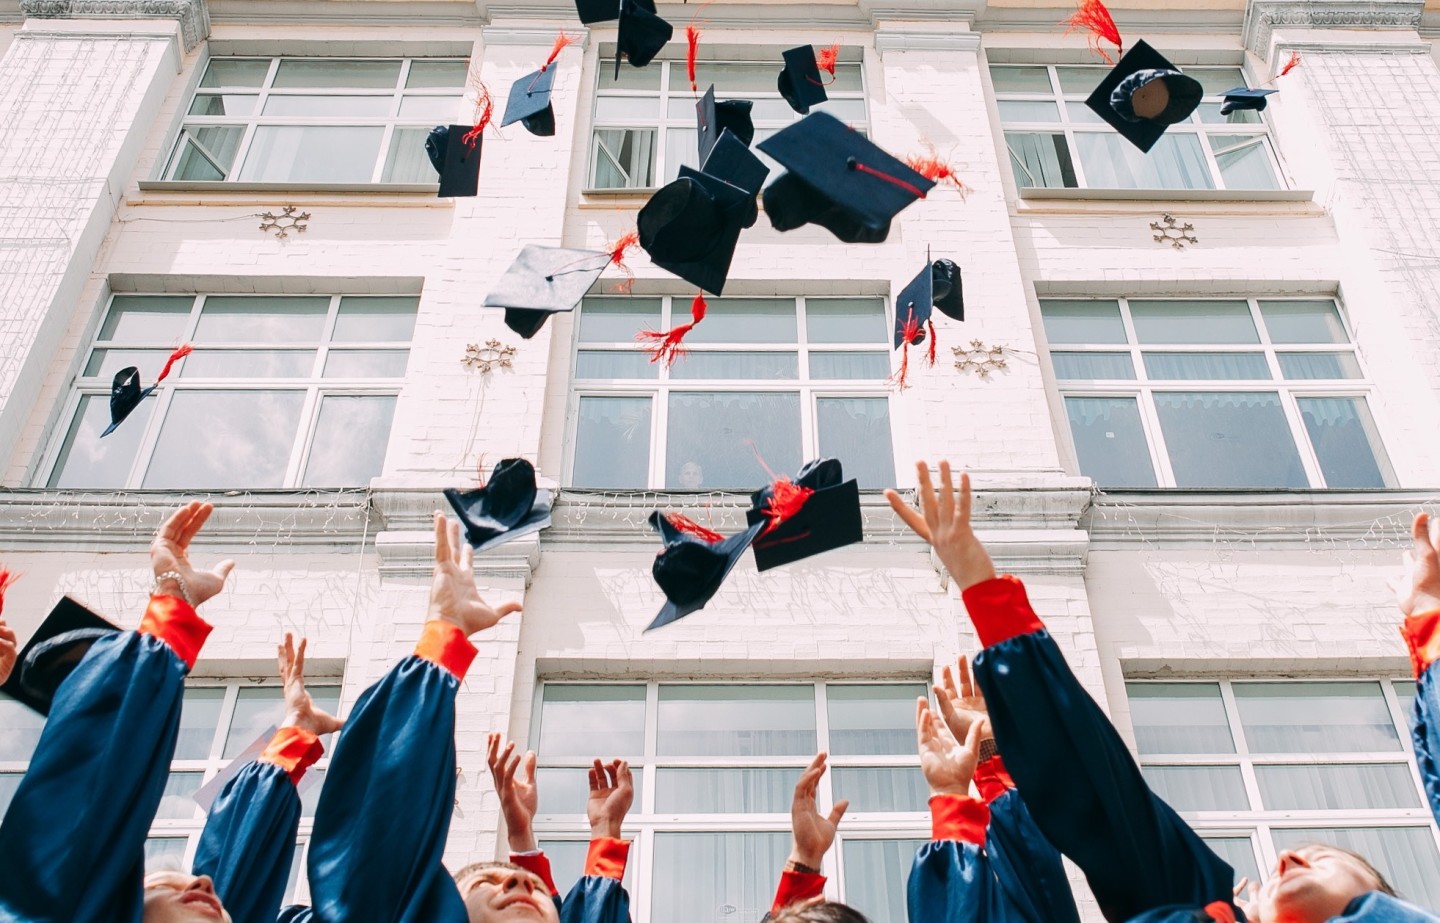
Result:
[
  {"x": 455, "y": 158},
  {"x": 935, "y": 286},
  {"x": 818, "y": 511},
  {"x": 642, "y": 33},
  {"x": 1143, "y": 95},
  {"x": 694, "y": 563},
  {"x": 544, "y": 281},
  {"x": 1245, "y": 98},
  {"x": 839, "y": 180},
  {"x": 126, "y": 393},
  {"x": 529, "y": 103},
  {"x": 507, "y": 507},
  {"x": 713, "y": 118},
  {"x": 53, "y": 652},
  {"x": 800, "y": 82}
]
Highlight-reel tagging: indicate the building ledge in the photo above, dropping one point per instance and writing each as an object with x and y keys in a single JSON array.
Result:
[
  {"x": 1169, "y": 195},
  {"x": 369, "y": 189}
]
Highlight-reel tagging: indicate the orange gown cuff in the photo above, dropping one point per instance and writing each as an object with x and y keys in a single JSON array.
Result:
[
  {"x": 796, "y": 887},
  {"x": 1000, "y": 610},
  {"x": 175, "y": 622},
  {"x": 445, "y": 645},
  {"x": 293, "y": 750},
  {"x": 607, "y": 857},
  {"x": 958, "y": 817},
  {"x": 1422, "y": 636},
  {"x": 537, "y": 863},
  {"x": 993, "y": 779}
]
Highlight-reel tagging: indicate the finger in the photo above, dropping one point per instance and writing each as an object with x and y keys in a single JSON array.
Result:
[
  {"x": 967, "y": 682},
  {"x": 442, "y": 539},
  {"x": 202, "y": 513},
  {"x": 529, "y": 767},
  {"x": 467, "y": 558},
  {"x": 1420, "y": 531},
  {"x": 627, "y": 779},
  {"x": 908, "y": 515},
  {"x": 512, "y": 763},
  {"x": 594, "y": 779},
  {"x": 454, "y": 541},
  {"x": 922, "y": 723},
  {"x": 947, "y": 495},
  {"x": 612, "y": 775},
  {"x": 965, "y": 499},
  {"x": 7, "y": 633},
  {"x": 223, "y": 569},
  {"x": 300, "y": 658},
  {"x": 927, "y": 496},
  {"x": 947, "y": 681},
  {"x": 172, "y": 528},
  {"x": 1240, "y": 886},
  {"x": 838, "y": 811},
  {"x": 972, "y": 739},
  {"x": 492, "y": 748}
]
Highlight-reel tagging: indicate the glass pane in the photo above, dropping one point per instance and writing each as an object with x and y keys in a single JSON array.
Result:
[
  {"x": 1175, "y": 162},
  {"x": 328, "y": 106},
  {"x": 1080, "y": 80},
  {"x": 1405, "y": 692},
  {"x": 336, "y": 73},
  {"x": 199, "y": 719},
  {"x": 1315, "y": 717},
  {"x": 629, "y": 78},
  {"x": 259, "y": 708},
  {"x": 235, "y": 72},
  {"x": 1082, "y": 321},
  {"x": 858, "y": 429},
  {"x": 592, "y": 720},
  {"x": 1040, "y": 159},
  {"x": 729, "y": 79},
  {"x": 1404, "y": 855},
  {"x": 836, "y": 366},
  {"x": 1210, "y": 114},
  {"x": 1199, "y": 788},
  {"x": 1229, "y": 440},
  {"x": 875, "y": 875},
  {"x": 1077, "y": 111},
  {"x": 134, "y": 318},
  {"x": 19, "y": 730},
  {"x": 249, "y": 363},
  {"x": 724, "y": 791},
  {"x": 715, "y": 876},
  {"x": 233, "y": 104},
  {"x": 1193, "y": 322},
  {"x": 742, "y": 320},
  {"x": 1303, "y": 322},
  {"x": 1346, "y": 442},
  {"x": 1020, "y": 79},
  {"x": 845, "y": 320},
  {"x": 1335, "y": 787},
  {"x": 1244, "y": 161},
  {"x": 376, "y": 319},
  {"x": 723, "y": 432},
  {"x": 226, "y": 439},
  {"x": 426, "y": 74},
  {"x": 1319, "y": 365},
  {"x": 268, "y": 319},
  {"x": 178, "y": 802},
  {"x": 567, "y": 857},
  {"x": 565, "y": 791},
  {"x": 1175, "y": 366},
  {"x": 165, "y": 853},
  {"x": 624, "y": 158},
  {"x": 617, "y": 320},
  {"x": 682, "y": 147},
  {"x": 437, "y": 108},
  {"x": 1217, "y": 80},
  {"x": 206, "y": 152},
  {"x": 9, "y": 784},
  {"x": 849, "y": 111},
  {"x": 612, "y": 442},
  {"x": 312, "y": 154},
  {"x": 737, "y": 721},
  {"x": 86, "y": 460},
  {"x": 104, "y": 363},
  {"x": 1110, "y": 441},
  {"x": 848, "y": 78},
  {"x": 366, "y": 363},
  {"x": 351, "y": 436},
  {"x": 866, "y": 720},
  {"x": 610, "y": 364},
  {"x": 1238, "y": 852},
  {"x": 310, "y": 787},
  {"x": 755, "y": 366},
  {"x": 881, "y": 790},
  {"x": 1028, "y": 110},
  {"x": 1093, "y": 366},
  {"x": 1179, "y": 718},
  {"x": 406, "y": 161},
  {"x": 627, "y": 108}
]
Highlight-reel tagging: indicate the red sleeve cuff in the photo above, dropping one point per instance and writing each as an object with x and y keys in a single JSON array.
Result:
[
  {"x": 539, "y": 864},
  {"x": 175, "y": 622},
  {"x": 1422, "y": 636},
  {"x": 607, "y": 857},
  {"x": 958, "y": 817},
  {"x": 796, "y": 887},
  {"x": 293, "y": 750},
  {"x": 993, "y": 779},
  {"x": 445, "y": 645},
  {"x": 1000, "y": 610}
]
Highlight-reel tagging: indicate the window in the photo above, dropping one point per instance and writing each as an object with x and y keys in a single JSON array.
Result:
[
  {"x": 1055, "y": 140},
  {"x": 715, "y": 768},
  {"x": 788, "y": 378},
  {"x": 316, "y": 120},
  {"x": 217, "y": 723},
  {"x": 1214, "y": 393},
  {"x": 644, "y": 125},
  {"x": 1257, "y": 767},
  {"x": 281, "y": 391}
]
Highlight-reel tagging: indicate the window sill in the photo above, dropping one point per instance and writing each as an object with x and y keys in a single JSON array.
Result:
[
  {"x": 1169, "y": 195},
  {"x": 616, "y": 198},
  {"x": 406, "y": 189}
]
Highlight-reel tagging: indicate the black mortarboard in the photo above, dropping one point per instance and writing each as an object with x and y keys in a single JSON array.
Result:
[
  {"x": 642, "y": 33},
  {"x": 800, "y": 82},
  {"x": 457, "y": 161},
  {"x": 731, "y": 160},
  {"x": 507, "y": 507},
  {"x": 690, "y": 227},
  {"x": 529, "y": 102},
  {"x": 126, "y": 393},
  {"x": 693, "y": 565},
  {"x": 1245, "y": 98},
  {"x": 828, "y": 518},
  {"x": 53, "y": 652},
  {"x": 1143, "y": 95},
  {"x": 839, "y": 180},
  {"x": 712, "y": 118},
  {"x": 593, "y": 11},
  {"x": 544, "y": 281},
  {"x": 913, "y": 307}
]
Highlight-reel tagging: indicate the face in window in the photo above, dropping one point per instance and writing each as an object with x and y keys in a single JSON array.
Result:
[
  {"x": 176, "y": 897},
  {"x": 505, "y": 894},
  {"x": 1312, "y": 884},
  {"x": 692, "y": 475}
]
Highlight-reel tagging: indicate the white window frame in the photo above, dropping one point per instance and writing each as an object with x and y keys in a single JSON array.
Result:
[{"x": 1143, "y": 388}]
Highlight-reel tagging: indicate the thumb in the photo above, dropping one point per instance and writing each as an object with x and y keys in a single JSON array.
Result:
[
  {"x": 838, "y": 811},
  {"x": 223, "y": 569},
  {"x": 529, "y": 766},
  {"x": 972, "y": 739},
  {"x": 505, "y": 609}
]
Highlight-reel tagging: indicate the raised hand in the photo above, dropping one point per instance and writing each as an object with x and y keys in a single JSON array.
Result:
[
  {"x": 812, "y": 833},
  {"x": 300, "y": 710},
  {"x": 170, "y": 553},
  {"x": 519, "y": 797},
  {"x": 1419, "y": 590},
  {"x": 454, "y": 597},
  {"x": 612, "y": 791},
  {"x": 947, "y": 764},
  {"x": 944, "y": 522},
  {"x": 960, "y": 705}
]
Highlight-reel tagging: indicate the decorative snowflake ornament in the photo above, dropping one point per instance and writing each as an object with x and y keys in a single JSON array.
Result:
[
  {"x": 979, "y": 358},
  {"x": 285, "y": 222},
  {"x": 1175, "y": 236},
  {"x": 488, "y": 358}
]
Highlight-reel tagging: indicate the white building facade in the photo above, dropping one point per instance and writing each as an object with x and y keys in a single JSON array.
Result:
[{"x": 1196, "y": 391}]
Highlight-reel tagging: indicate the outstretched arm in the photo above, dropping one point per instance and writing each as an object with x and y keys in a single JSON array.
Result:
[
  {"x": 1419, "y": 597},
  {"x": 599, "y": 896},
  {"x": 811, "y": 836},
  {"x": 519, "y": 800}
]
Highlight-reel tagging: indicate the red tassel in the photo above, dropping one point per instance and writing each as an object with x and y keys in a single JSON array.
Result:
[
  {"x": 826, "y": 58},
  {"x": 1290, "y": 65},
  {"x": 7, "y": 579},
  {"x": 560, "y": 45},
  {"x": 930, "y": 353},
  {"x": 899, "y": 378},
  {"x": 665, "y": 345},
  {"x": 909, "y": 333},
  {"x": 617, "y": 251},
  {"x": 175, "y": 357},
  {"x": 786, "y": 499},
  {"x": 484, "y": 109},
  {"x": 1094, "y": 18},
  {"x": 692, "y": 37},
  {"x": 936, "y": 170},
  {"x": 691, "y": 527}
]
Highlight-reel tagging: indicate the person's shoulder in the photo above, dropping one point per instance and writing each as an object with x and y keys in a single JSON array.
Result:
[{"x": 1376, "y": 907}]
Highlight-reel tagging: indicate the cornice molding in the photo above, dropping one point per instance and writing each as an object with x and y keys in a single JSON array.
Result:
[
  {"x": 892, "y": 38},
  {"x": 193, "y": 15},
  {"x": 1264, "y": 16},
  {"x": 510, "y": 32},
  {"x": 1051, "y": 19}
]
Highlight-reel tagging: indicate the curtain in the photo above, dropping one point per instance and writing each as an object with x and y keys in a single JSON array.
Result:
[
  {"x": 1207, "y": 366},
  {"x": 881, "y": 789},
  {"x": 716, "y": 877},
  {"x": 1040, "y": 159},
  {"x": 1229, "y": 440},
  {"x": 1093, "y": 366},
  {"x": 1243, "y": 161},
  {"x": 1110, "y": 441},
  {"x": 858, "y": 430},
  {"x": 1239, "y": 852},
  {"x": 829, "y": 366},
  {"x": 312, "y": 154},
  {"x": 752, "y": 366},
  {"x": 1319, "y": 365},
  {"x": 1335, "y": 787},
  {"x": 875, "y": 875},
  {"x": 1345, "y": 441},
  {"x": 624, "y": 158},
  {"x": 736, "y": 721},
  {"x": 722, "y": 432},
  {"x": 1334, "y": 717},
  {"x": 407, "y": 161},
  {"x": 867, "y": 720},
  {"x": 1111, "y": 162},
  {"x": 612, "y": 442},
  {"x": 724, "y": 791},
  {"x": 1199, "y": 788},
  {"x": 1406, "y": 855}
]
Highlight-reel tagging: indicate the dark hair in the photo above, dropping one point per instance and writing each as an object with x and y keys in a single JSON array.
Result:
[
  {"x": 823, "y": 912},
  {"x": 1381, "y": 884}
]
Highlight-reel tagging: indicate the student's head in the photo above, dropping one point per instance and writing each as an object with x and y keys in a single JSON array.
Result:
[
  {"x": 498, "y": 892},
  {"x": 1313, "y": 883},
  {"x": 819, "y": 912},
  {"x": 178, "y": 897}
]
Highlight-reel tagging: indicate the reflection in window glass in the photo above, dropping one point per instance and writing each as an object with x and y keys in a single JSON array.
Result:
[
  {"x": 566, "y": 791},
  {"x": 737, "y": 721},
  {"x": 134, "y": 318},
  {"x": 178, "y": 801},
  {"x": 312, "y": 154},
  {"x": 612, "y": 442},
  {"x": 756, "y": 366},
  {"x": 165, "y": 854},
  {"x": 1082, "y": 321},
  {"x": 1210, "y": 366},
  {"x": 722, "y": 431},
  {"x": 376, "y": 320},
  {"x": 1093, "y": 366},
  {"x": 1303, "y": 322},
  {"x": 604, "y": 366},
  {"x": 199, "y": 715},
  {"x": 1110, "y": 441},
  {"x": 86, "y": 460},
  {"x": 249, "y": 363},
  {"x": 880, "y": 789},
  {"x": 617, "y": 320},
  {"x": 857, "y": 430},
  {"x": 271, "y": 319},
  {"x": 1337, "y": 787},
  {"x": 1304, "y": 366},
  {"x": 1258, "y": 448},
  {"x": 744, "y": 320},
  {"x": 1239, "y": 853},
  {"x": 590, "y": 720},
  {"x": 350, "y": 440},
  {"x": 1187, "y": 322},
  {"x": 845, "y": 320},
  {"x": 226, "y": 439}
]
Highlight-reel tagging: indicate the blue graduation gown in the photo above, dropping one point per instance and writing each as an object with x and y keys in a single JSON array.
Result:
[
  {"x": 249, "y": 842},
  {"x": 598, "y": 897}
]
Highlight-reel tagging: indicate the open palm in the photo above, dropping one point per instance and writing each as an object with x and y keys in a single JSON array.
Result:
[
  {"x": 170, "y": 552},
  {"x": 453, "y": 594}
]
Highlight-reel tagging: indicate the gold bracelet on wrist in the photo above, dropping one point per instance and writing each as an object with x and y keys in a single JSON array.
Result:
[
  {"x": 794, "y": 866},
  {"x": 988, "y": 749}
]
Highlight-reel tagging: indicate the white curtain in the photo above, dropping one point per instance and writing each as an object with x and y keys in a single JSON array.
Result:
[
  {"x": 715, "y": 877},
  {"x": 1336, "y": 787},
  {"x": 875, "y": 875},
  {"x": 1111, "y": 162},
  {"x": 1040, "y": 159}
]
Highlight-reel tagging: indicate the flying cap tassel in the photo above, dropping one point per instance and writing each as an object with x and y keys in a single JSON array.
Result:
[
  {"x": 666, "y": 345},
  {"x": 692, "y": 39},
  {"x": 175, "y": 357},
  {"x": 786, "y": 499},
  {"x": 1095, "y": 19},
  {"x": 691, "y": 527},
  {"x": 827, "y": 58},
  {"x": 930, "y": 353},
  {"x": 910, "y": 333},
  {"x": 1290, "y": 65},
  {"x": 937, "y": 171},
  {"x": 561, "y": 42},
  {"x": 7, "y": 579},
  {"x": 617, "y": 256},
  {"x": 484, "y": 108}
]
